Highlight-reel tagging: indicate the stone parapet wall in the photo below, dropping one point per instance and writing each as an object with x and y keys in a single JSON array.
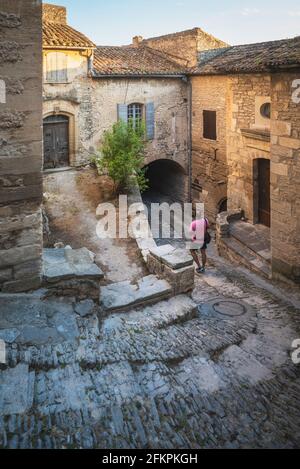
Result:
[{"x": 20, "y": 145}]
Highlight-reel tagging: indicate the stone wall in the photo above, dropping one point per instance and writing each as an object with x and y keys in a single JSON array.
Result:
[
  {"x": 285, "y": 177},
  {"x": 20, "y": 145},
  {"x": 185, "y": 46},
  {"x": 247, "y": 140},
  {"x": 209, "y": 156}
]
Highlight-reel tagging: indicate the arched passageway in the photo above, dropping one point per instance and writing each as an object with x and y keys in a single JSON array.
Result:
[{"x": 167, "y": 178}]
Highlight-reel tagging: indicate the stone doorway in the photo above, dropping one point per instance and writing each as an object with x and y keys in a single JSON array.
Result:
[
  {"x": 56, "y": 142},
  {"x": 262, "y": 192}
]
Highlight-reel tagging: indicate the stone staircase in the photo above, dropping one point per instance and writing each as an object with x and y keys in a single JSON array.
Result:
[
  {"x": 237, "y": 251},
  {"x": 124, "y": 296}
]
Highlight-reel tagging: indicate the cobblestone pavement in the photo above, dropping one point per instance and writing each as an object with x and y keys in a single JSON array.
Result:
[{"x": 167, "y": 376}]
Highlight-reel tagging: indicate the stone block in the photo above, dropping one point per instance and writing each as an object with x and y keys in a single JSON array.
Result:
[
  {"x": 281, "y": 128},
  {"x": 280, "y": 169},
  {"x": 22, "y": 285},
  {"x": 65, "y": 264},
  {"x": 17, "y": 387},
  {"x": 293, "y": 143},
  {"x": 18, "y": 255},
  {"x": 124, "y": 296}
]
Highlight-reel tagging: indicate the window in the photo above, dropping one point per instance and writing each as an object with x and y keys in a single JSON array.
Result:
[
  {"x": 56, "y": 67},
  {"x": 265, "y": 110},
  {"x": 210, "y": 125},
  {"x": 135, "y": 114}
]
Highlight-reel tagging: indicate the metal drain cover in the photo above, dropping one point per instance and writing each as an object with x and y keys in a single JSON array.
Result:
[{"x": 224, "y": 307}]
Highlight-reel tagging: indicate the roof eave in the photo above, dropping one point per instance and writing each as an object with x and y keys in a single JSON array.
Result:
[
  {"x": 70, "y": 47},
  {"x": 136, "y": 75}
]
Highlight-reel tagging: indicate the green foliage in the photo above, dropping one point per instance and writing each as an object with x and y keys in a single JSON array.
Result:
[{"x": 121, "y": 156}]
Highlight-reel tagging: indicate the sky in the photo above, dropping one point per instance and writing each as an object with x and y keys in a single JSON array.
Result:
[{"x": 115, "y": 22}]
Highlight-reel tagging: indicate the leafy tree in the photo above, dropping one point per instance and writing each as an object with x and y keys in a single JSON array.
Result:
[{"x": 121, "y": 155}]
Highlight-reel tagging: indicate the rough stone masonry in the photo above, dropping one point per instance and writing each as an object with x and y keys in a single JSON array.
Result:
[{"x": 20, "y": 145}]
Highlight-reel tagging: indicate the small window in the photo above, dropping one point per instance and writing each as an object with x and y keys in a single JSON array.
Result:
[
  {"x": 210, "y": 125},
  {"x": 56, "y": 67},
  {"x": 135, "y": 114},
  {"x": 265, "y": 110}
]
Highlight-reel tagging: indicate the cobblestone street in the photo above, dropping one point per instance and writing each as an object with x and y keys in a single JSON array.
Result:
[{"x": 174, "y": 375}]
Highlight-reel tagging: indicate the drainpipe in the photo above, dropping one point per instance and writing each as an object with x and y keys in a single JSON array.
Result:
[{"x": 190, "y": 122}]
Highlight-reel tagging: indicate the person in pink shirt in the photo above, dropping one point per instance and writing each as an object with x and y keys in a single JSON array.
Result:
[{"x": 200, "y": 240}]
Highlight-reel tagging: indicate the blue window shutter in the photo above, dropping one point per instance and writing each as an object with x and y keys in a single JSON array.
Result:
[
  {"x": 150, "y": 120},
  {"x": 123, "y": 112}
]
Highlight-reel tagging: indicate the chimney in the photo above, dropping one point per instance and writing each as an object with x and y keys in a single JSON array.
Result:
[
  {"x": 137, "y": 40},
  {"x": 54, "y": 13}
]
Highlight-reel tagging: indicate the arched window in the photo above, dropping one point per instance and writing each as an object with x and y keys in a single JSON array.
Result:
[{"x": 135, "y": 114}]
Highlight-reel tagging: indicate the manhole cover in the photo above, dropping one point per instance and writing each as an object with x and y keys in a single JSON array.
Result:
[
  {"x": 229, "y": 308},
  {"x": 224, "y": 307}
]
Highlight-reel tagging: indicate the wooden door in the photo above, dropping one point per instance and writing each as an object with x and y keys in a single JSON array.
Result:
[
  {"x": 264, "y": 199},
  {"x": 56, "y": 142}
]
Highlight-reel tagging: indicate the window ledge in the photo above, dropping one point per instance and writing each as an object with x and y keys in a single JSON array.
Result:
[{"x": 257, "y": 134}]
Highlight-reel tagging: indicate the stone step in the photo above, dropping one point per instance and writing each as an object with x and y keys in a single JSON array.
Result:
[
  {"x": 124, "y": 296},
  {"x": 239, "y": 252}
]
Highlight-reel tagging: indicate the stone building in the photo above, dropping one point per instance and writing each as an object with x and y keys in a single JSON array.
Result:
[
  {"x": 20, "y": 145},
  {"x": 217, "y": 131},
  {"x": 87, "y": 89},
  {"x": 246, "y": 134}
]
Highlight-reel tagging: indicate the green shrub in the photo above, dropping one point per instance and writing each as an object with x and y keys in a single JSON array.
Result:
[{"x": 121, "y": 156}]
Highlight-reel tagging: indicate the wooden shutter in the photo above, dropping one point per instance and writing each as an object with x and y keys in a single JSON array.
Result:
[
  {"x": 51, "y": 67},
  {"x": 61, "y": 67},
  {"x": 150, "y": 120},
  {"x": 210, "y": 125},
  {"x": 57, "y": 67},
  {"x": 123, "y": 112}
]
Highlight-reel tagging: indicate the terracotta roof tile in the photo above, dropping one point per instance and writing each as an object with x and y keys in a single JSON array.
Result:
[
  {"x": 251, "y": 58},
  {"x": 130, "y": 60},
  {"x": 60, "y": 35}
]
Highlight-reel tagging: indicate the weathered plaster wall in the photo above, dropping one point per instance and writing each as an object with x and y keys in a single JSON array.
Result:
[
  {"x": 93, "y": 107},
  {"x": 285, "y": 176},
  {"x": 170, "y": 101},
  {"x": 20, "y": 145},
  {"x": 209, "y": 156},
  {"x": 242, "y": 150}
]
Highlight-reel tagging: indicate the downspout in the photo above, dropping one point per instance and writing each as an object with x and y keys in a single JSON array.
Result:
[{"x": 190, "y": 135}]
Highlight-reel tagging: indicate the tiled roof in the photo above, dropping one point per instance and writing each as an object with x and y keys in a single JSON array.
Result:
[
  {"x": 252, "y": 58},
  {"x": 130, "y": 60},
  {"x": 60, "y": 35}
]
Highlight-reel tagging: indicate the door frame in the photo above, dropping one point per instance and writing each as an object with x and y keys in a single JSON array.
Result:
[
  {"x": 73, "y": 143},
  {"x": 256, "y": 161},
  {"x": 54, "y": 125}
]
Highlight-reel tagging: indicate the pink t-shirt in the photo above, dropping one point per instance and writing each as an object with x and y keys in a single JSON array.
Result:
[{"x": 198, "y": 229}]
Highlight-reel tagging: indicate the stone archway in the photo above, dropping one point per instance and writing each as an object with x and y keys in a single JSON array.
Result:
[{"x": 168, "y": 178}]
